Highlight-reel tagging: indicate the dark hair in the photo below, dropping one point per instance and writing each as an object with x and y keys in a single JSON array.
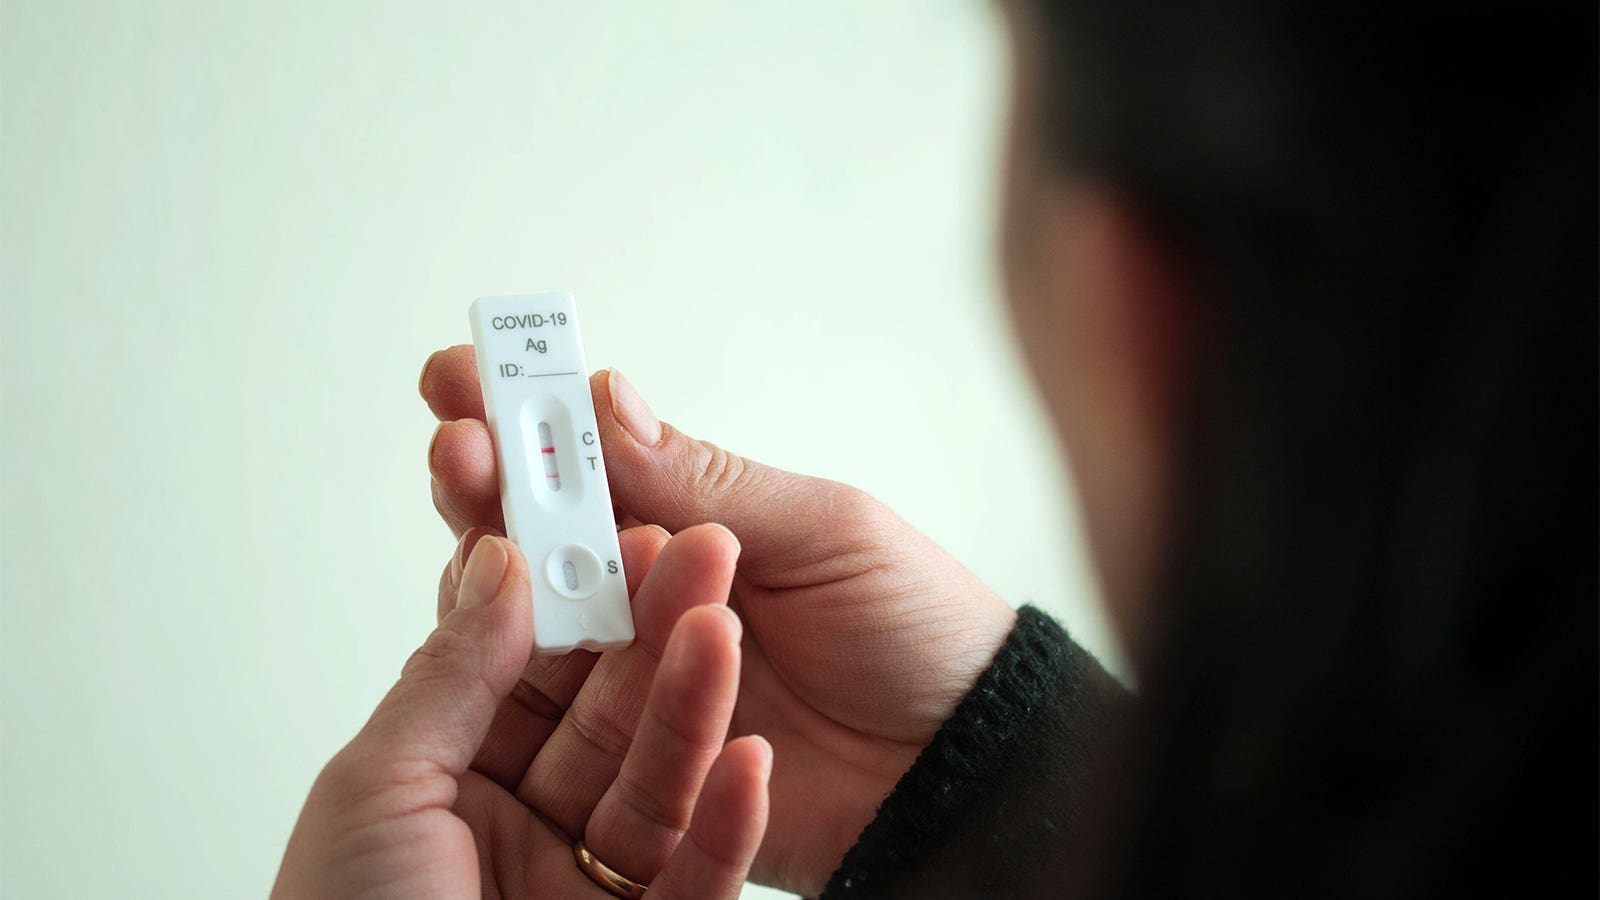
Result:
[{"x": 1375, "y": 661}]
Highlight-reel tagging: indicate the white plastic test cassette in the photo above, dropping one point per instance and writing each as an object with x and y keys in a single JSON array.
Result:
[{"x": 552, "y": 475}]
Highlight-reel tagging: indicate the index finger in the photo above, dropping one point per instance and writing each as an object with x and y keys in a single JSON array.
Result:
[{"x": 449, "y": 383}]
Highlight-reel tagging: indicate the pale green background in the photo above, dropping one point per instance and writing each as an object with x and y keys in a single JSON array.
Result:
[{"x": 232, "y": 232}]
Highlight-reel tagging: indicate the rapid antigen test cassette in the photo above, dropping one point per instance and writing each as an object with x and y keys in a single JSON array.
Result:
[{"x": 552, "y": 475}]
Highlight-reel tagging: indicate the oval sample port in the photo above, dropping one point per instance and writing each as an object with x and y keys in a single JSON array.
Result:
[{"x": 573, "y": 571}]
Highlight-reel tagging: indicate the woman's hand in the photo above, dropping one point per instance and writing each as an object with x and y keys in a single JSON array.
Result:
[
  {"x": 862, "y": 633},
  {"x": 464, "y": 783}
]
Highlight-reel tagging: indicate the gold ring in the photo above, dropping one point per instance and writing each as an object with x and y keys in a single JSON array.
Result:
[{"x": 615, "y": 883}]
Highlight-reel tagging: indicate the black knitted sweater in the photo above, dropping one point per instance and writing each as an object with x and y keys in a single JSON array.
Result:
[{"x": 984, "y": 810}]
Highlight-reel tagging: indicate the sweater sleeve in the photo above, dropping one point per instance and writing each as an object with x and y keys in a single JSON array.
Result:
[{"x": 986, "y": 810}]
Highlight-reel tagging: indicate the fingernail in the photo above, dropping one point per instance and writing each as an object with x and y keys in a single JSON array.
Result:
[
  {"x": 664, "y": 532},
  {"x": 486, "y": 568},
  {"x": 422, "y": 379},
  {"x": 458, "y": 564},
  {"x": 631, "y": 410},
  {"x": 766, "y": 747},
  {"x": 738, "y": 625},
  {"x": 437, "y": 430}
]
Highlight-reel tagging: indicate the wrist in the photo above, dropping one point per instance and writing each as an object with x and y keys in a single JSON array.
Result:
[
  {"x": 968, "y": 652},
  {"x": 942, "y": 797}
]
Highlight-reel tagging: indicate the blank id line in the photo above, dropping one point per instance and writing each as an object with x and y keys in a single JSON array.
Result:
[{"x": 550, "y": 374}]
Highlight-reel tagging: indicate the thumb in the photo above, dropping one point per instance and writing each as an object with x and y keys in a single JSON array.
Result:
[
  {"x": 662, "y": 476},
  {"x": 433, "y": 720}
]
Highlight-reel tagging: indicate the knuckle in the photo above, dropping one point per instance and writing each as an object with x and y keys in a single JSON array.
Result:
[
  {"x": 654, "y": 810},
  {"x": 859, "y": 511},
  {"x": 339, "y": 778},
  {"x": 536, "y": 702},
  {"x": 601, "y": 730},
  {"x": 362, "y": 787},
  {"x": 717, "y": 472},
  {"x": 719, "y": 856},
  {"x": 678, "y": 710},
  {"x": 445, "y": 654},
  {"x": 852, "y": 504}
]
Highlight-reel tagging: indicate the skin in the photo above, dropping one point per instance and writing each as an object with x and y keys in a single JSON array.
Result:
[
  {"x": 860, "y": 635},
  {"x": 427, "y": 800}
]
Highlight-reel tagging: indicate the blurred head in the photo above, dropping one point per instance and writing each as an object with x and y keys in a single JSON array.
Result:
[
  {"x": 1099, "y": 303},
  {"x": 1311, "y": 296}
]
